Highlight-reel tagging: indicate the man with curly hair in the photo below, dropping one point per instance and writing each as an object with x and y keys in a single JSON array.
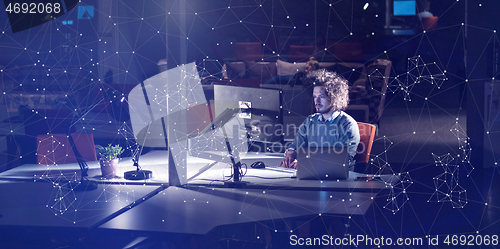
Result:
[{"x": 330, "y": 126}]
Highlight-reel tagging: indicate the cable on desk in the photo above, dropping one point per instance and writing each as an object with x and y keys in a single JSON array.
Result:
[{"x": 241, "y": 172}]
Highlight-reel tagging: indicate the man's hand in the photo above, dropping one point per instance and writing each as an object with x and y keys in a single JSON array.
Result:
[{"x": 290, "y": 160}]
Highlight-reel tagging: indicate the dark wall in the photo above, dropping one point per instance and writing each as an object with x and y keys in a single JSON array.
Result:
[
  {"x": 185, "y": 31},
  {"x": 483, "y": 21}
]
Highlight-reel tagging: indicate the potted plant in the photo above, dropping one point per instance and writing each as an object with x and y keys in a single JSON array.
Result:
[{"x": 109, "y": 160}]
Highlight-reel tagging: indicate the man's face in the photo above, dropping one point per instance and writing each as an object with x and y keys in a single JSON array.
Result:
[
  {"x": 309, "y": 68},
  {"x": 321, "y": 100}
]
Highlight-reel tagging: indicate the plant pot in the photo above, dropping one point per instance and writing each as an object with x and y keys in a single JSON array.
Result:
[{"x": 109, "y": 168}]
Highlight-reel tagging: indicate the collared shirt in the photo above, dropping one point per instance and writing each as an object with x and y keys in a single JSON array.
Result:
[
  {"x": 339, "y": 129},
  {"x": 330, "y": 119}
]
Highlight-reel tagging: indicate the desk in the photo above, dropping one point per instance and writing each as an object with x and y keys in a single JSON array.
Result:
[
  {"x": 200, "y": 172},
  {"x": 279, "y": 178},
  {"x": 156, "y": 161},
  {"x": 199, "y": 210},
  {"x": 45, "y": 204},
  {"x": 152, "y": 206}
]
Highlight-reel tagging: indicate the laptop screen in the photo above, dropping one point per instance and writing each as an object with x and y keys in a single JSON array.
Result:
[{"x": 322, "y": 163}]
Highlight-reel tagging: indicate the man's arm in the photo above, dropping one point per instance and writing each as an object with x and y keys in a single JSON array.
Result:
[
  {"x": 300, "y": 140},
  {"x": 290, "y": 160}
]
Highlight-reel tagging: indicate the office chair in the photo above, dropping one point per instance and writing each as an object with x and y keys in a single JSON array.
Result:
[
  {"x": 55, "y": 149},
  {"x": 367, "y": 134},
  {"x": 21, "y": 148},
  {"x": 429, "y": 23}
]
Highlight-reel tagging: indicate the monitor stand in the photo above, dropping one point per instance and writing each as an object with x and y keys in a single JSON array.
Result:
[{"x": 138, "y": 174}]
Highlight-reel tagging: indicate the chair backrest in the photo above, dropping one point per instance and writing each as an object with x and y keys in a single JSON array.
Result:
[
  {"x": 55, "y": 148},
  {"x": 429, "y": 22},
  {"x": 367, "y": 134}
]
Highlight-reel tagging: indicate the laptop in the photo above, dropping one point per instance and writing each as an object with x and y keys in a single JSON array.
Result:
[{"x": 322, "y": 163}]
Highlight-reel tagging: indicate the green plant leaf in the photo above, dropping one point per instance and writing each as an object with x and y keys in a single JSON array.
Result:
[{"x": 110, "y": 152}]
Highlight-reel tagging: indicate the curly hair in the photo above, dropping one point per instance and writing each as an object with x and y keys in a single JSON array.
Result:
[{"x": 335, "y": 86}]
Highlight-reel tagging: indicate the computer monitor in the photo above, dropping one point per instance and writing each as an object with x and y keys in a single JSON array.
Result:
[
  {"x": 404, "y": 7},
  {"x": 261, "y": 121}
]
